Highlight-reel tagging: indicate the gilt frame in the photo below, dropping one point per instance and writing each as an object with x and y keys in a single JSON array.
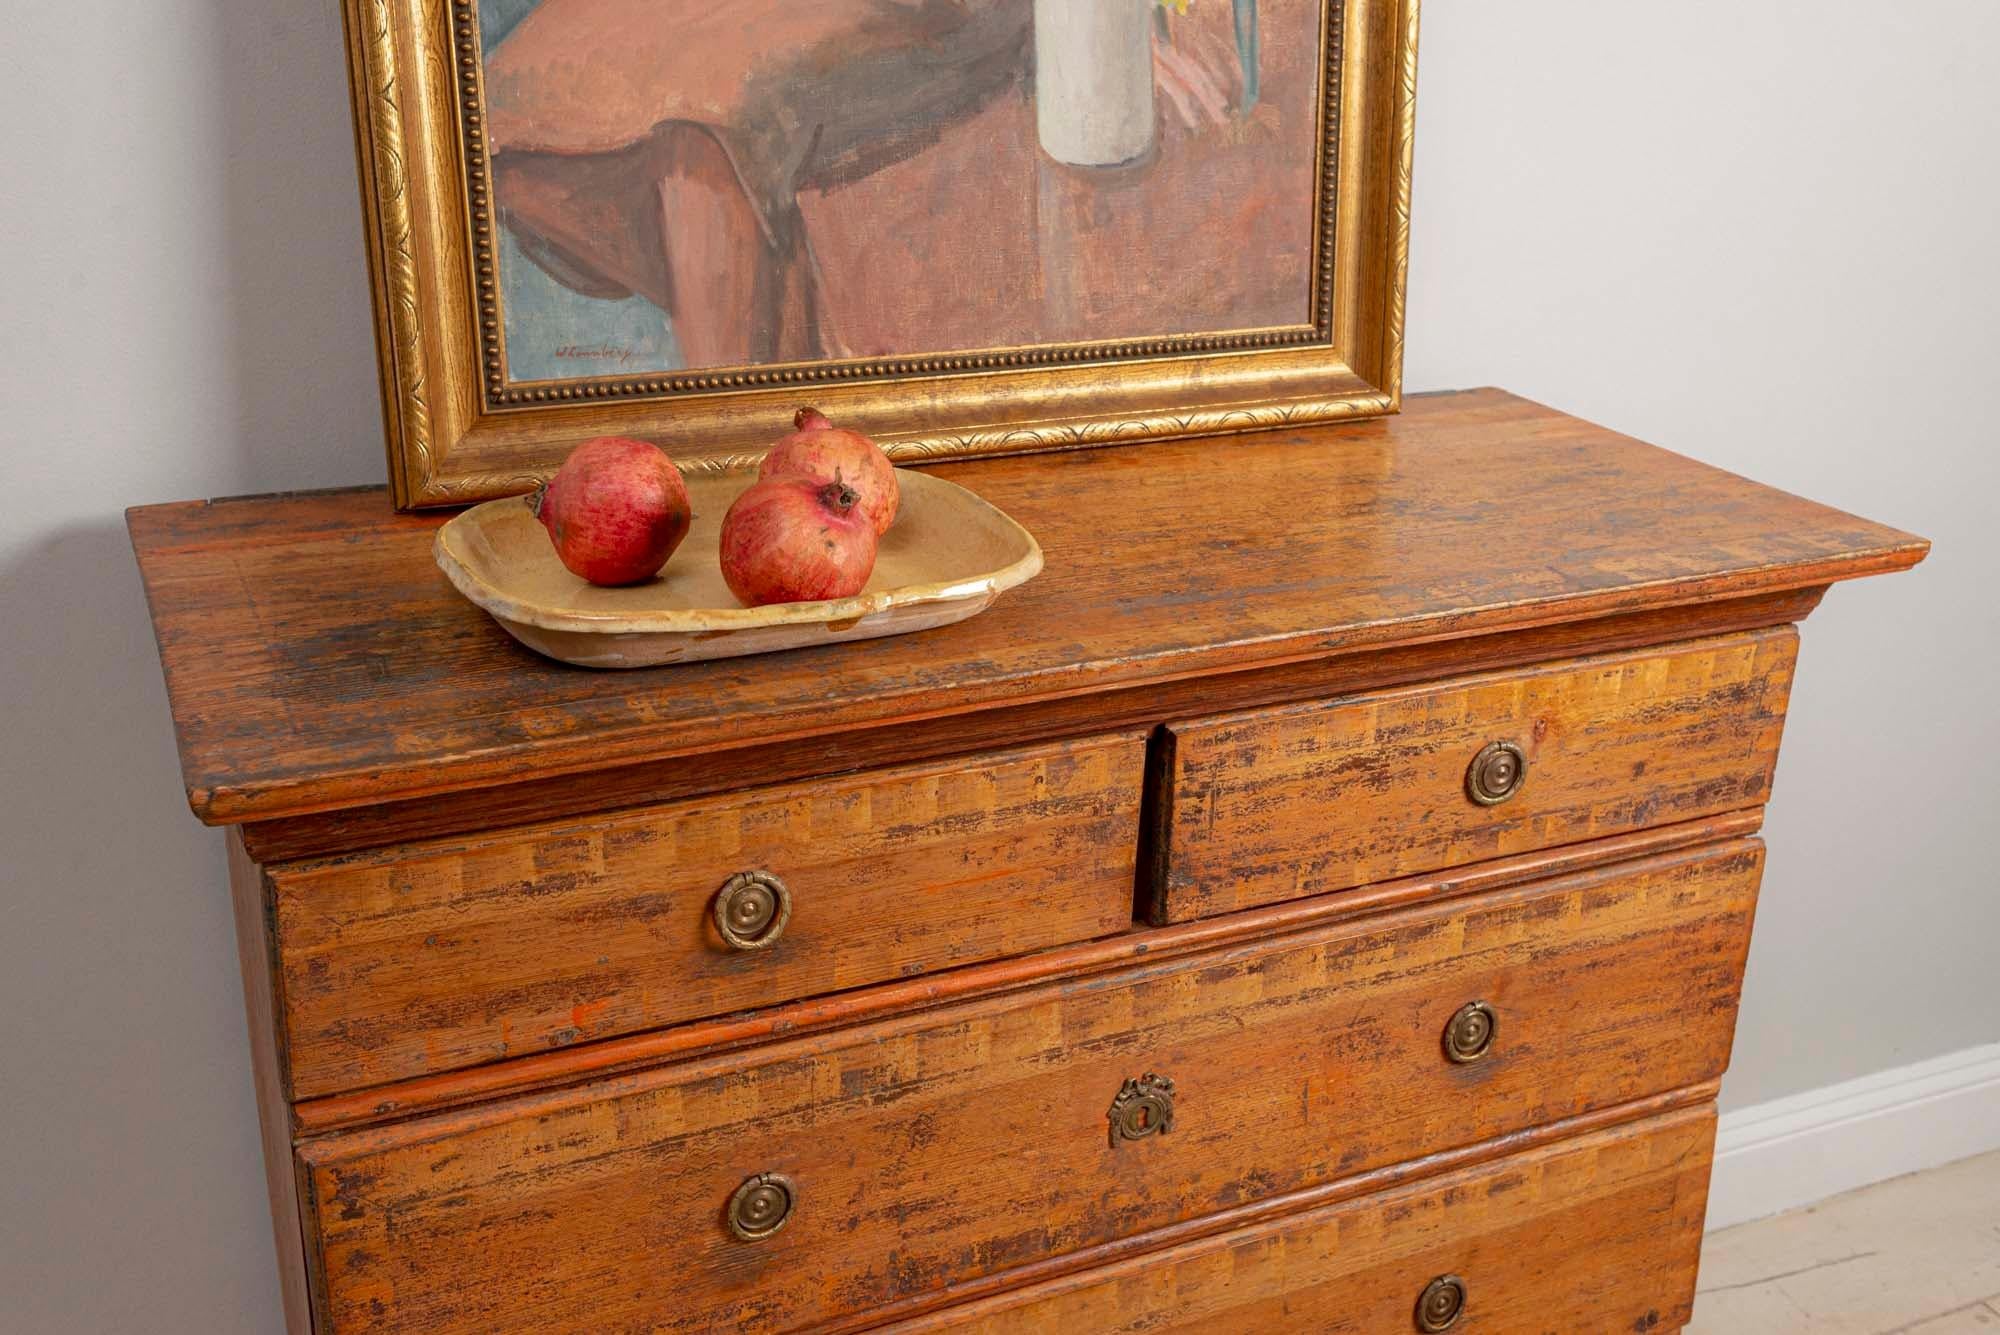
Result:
[{"x": 457, "y": 432}]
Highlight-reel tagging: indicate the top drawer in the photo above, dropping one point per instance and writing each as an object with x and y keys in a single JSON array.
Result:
[
  {"x": 1279, "y": 804},
  {"x": 436, "y": 956}
]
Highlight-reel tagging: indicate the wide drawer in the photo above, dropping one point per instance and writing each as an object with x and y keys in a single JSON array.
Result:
[
  {"x": 1278, "y": 804},
  {"x": 971, "y": 1139},
  {"x": 1599, "y": 1234},
  {"x": 436, "y": 956}
]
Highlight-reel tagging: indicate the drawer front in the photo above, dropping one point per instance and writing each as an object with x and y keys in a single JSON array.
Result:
[
  {"x": 433, "y": 957},
  {"x": 971, "y": 1139},
  {"x": 1282, "y": 804},
  {"x": 1589, "y": 1237}
]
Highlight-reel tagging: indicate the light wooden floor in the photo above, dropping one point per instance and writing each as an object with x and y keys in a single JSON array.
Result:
[{"x": 1919, "y": 1255}]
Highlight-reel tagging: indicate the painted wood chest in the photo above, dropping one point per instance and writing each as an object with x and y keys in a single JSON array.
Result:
[{"x": 1317, "y": 903}]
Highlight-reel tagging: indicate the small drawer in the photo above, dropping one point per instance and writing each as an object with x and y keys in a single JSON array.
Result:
[
  {"x": 831, "y": 1175},
  {"x": 1596, "y": 1236},
  {"x": 437, "y": 956},
  {"x": 1279, "y": 804}
]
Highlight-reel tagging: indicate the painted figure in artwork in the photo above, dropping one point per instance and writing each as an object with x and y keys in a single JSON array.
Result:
[{"x": 693, "y": 183}]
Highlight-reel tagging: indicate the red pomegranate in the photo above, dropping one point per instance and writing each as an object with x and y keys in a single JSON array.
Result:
[
  {"x": 792, "y": 539},
  {"x": 817, "y": 448},
  {"x": 615, "y": 510}
]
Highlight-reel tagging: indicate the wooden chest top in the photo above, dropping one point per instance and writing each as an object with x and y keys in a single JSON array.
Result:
[{"x": 316, "y": 660}]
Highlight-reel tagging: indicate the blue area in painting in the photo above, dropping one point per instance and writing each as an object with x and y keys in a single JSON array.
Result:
[
  {"x": 1247, "y": 54},
  {"x": 498, "y": 17},
  {"x": 552, "y": 332}
]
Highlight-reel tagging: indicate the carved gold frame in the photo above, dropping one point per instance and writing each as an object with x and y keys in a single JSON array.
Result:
[{"x": 458, "y": 433}]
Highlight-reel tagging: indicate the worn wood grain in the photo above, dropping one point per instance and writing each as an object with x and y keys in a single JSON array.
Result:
[
  {"x": 1593, "y": 1236},
  {"x": 426, "y": 958},
  {"x": 1281, "y": 804},
  {"x": 316, "y": 660},
  {"x": 583, "y": 1063},
  {"x": 1270, "y": 1208},
  {"x": 257, "y": 959},
  {"x": 529, "y": 798},
  {"x": 968, "y": 1140}
]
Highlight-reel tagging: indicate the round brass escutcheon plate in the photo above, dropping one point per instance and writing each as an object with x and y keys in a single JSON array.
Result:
[
  {"x": 751, "y": 909},
  {"x": 1143, "y": 1107},
  {"x": 1470, "y": 1034},
  {"x": 1441, "y": 1304},
  {"x": 1496, "y": 773},
  {"x": 761, "y": 1206}
]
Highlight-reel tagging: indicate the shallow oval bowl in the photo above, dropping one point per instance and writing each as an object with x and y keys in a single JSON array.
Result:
[{"x": 948, "y": 556}]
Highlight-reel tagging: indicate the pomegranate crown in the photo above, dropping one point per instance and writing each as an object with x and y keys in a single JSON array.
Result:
[{"x": 838, "y": 496}]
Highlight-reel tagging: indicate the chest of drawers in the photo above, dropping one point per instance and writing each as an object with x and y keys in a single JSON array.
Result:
[{"x": 1318, "y": 903}]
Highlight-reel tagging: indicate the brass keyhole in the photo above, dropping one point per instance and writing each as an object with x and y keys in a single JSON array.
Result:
[
  {"x": 1143, "y": 1107},
  {"x": 1441, "y": 1304},
  {"x": 1470, "y": 1034},
  {"x": 751, "y": 910},
  {"x": 1496, "y": 773},
  {"x": 761, "y": 1206}
]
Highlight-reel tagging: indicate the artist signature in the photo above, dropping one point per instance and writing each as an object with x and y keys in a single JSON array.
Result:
[{"x": 602, "y": 352}]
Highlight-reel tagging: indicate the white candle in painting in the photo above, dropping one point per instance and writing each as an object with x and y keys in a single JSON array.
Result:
[{"x": 1094, "y": 79}]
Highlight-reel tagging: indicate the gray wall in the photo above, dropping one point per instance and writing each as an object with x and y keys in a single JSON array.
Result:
[{"x": 1757, "y": 232}]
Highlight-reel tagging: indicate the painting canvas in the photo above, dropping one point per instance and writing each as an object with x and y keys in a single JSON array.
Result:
[{"x": 694, "y": 184}]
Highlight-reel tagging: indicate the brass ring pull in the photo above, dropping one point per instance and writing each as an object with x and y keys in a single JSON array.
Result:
[
  {"x": 751, "y": 909},
  {"x": 1496, "y": 773},
  {"x": 1144, "y": 1107},
  {"x": 1471, "y": 1032},
  {"x": 761, "y": 1206},
  {"x": 1441, "y": 1304}
]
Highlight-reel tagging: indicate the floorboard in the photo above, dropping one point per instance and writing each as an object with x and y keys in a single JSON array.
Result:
[{"x": 1918, "y": 1255}]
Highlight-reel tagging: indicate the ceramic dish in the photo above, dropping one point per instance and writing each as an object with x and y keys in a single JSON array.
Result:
[{"x": 949, "y": 555}]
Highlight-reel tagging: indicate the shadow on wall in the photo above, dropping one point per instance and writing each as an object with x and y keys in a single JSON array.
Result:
[
  {"x": 134, "y": 1183},
  {"x": 136, "y": 1203}
]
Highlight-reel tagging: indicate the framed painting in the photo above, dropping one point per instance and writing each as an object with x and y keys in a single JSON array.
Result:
[{"x": 961, "y": 226}]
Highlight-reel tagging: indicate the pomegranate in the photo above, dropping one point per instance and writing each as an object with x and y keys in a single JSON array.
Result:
[
  {"x": 792, "y": 539},
  {"x": 615, "y": 510},
  {"x": 818, "y": 448}
]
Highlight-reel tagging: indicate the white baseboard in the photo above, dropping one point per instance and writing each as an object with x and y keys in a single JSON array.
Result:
[{"x": 1794, "y": 1151}]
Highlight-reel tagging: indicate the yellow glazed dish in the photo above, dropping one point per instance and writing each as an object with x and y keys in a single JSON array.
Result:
[{"x": 949, "y": 555}]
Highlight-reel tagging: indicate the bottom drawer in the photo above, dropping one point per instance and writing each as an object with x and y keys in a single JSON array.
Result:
[{"x": 1596, "y": 1234}]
